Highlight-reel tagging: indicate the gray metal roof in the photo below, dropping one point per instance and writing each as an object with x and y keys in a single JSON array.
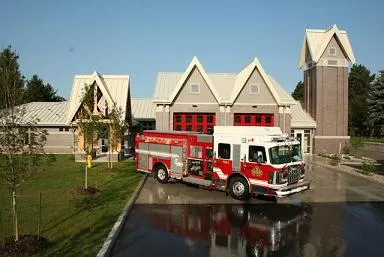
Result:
[
  {"x": 318, "y": 39},
  {"x": 300, "y": 118},
  {"x": 143, "y": 108},
  {"x": 46, "y": 113}
]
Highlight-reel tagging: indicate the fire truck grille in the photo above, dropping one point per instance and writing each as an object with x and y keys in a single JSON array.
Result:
[{"x": 293, "y": 175}]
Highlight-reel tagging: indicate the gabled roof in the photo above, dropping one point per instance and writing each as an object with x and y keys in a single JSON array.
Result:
[
  {"x": 272, "y": 85},
  {"x": 317, "y": 41},
  {"x": 143, "y": 108},
  {"x": 114, "y": 88},
  {"x": 225, "y": 86},
  {"x": 194, "y": 64},
  {"x": 300, "y": 118}
]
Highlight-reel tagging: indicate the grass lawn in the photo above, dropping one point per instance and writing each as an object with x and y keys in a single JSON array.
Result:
[{"x": 76, "y": 225}]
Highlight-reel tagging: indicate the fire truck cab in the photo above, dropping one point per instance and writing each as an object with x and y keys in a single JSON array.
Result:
[{"x": 238, "y": 159}]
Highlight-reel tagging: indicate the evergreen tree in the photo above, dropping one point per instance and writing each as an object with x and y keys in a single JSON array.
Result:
[
  {"x": 298, "y": 93},
  {"x": 376, "y": 106},
  {"x": 37, "y": 91},
  {"x": 11, "y": 81},
  {"x": 359, "y": 81}
]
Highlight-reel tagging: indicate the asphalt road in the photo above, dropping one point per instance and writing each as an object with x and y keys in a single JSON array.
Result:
[{"x": 341, "y": 215}]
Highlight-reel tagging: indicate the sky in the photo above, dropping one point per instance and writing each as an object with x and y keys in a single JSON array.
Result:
[{"x": 58, "y": 39}]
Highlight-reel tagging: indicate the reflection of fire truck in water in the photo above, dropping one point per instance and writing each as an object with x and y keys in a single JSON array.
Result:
[
  {"x": 239, "y": 160},
  {"x": 228, "y": 230}
]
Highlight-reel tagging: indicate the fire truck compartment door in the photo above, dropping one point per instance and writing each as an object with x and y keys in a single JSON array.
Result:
[
  {"x": 143, "y": 157},
  {"x": 177, "y": 160},
  {"x": 236, "y": 158}
]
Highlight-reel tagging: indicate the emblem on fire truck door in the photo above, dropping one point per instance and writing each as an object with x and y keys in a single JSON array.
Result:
[{"x": 257, "y": 172}]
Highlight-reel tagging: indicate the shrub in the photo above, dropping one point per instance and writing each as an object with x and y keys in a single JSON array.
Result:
[
  {"x": 368, "y": 166},
  {"x": 357, "y": 142},
  {"x": 335, "y": 159}
]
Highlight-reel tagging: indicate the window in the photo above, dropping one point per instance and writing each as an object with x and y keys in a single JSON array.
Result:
[
  {"x": 224, "y": 151},
  {"x": 61, "y": 129},
  {"x": 332, "y": 62},
  {"x": 253, "y": 119},
  {"x": 268, "y": 119},
  {"x": 67, "y": 129},
  {"x": 332, "y": 51},
  {"x": 254, "y": 89},
  {"x": 194, "y": 88},
  {"x": 200, "y": 122},
  {"x": 258, "y": 120},
  {"x": 257, "y": 154}
]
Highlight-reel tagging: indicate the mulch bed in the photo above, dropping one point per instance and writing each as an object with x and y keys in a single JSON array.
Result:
[
  {"x": 82, "y": 191},
  {"x": 26, "y": 246}
]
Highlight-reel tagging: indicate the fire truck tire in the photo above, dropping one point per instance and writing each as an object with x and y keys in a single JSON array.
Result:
[
  {"x": 161, "y": 174},
  {"x": 238, "y": 188}
]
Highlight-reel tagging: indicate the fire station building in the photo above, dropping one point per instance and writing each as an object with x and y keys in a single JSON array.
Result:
[{"x": 195, "y": 100}]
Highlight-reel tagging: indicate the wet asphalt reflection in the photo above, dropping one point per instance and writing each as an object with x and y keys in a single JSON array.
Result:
[{"x": 341, "y": 218}]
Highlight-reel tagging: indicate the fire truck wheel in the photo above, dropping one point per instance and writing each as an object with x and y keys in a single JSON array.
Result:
[
  {"x": 161, "y": 174},
  {"x": 238, "y": 188}
]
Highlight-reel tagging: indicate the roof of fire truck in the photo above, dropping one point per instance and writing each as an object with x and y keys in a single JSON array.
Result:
[{"x": 249, "y": 134}]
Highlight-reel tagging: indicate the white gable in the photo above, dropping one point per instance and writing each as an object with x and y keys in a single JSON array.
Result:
[
  {"x": 317, "y": 41},
  {"x": 115, "y": 90}
]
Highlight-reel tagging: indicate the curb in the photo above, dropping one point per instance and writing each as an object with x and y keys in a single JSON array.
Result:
[
  {"x": 112, "y": 236},
  {"x": 350, "y": 171}
]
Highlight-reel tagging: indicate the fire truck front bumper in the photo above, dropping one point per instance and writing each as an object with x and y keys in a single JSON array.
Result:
[{"x": 292, "y": 189}]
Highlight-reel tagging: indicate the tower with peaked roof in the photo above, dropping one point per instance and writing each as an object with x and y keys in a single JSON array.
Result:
[{"x": 325, "y": 57}]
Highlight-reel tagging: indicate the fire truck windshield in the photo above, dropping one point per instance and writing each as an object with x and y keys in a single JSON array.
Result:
[{"x": 285, "y": 154}]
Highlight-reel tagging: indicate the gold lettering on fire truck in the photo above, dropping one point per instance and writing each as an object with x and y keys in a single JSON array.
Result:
[{"x": 257, "y": 172}]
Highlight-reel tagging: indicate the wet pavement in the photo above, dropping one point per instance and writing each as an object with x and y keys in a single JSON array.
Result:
[{"x": 341, "y": 215}]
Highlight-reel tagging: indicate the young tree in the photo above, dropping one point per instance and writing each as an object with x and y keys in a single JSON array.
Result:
[
  {"x": 37, "y": 91},
  {"x": 359, "y": 82},
  {"x": 298, "y": 93},
  {"x": 21, "y": 141},
  {"x": 117, "y": 128},
  {"x": 376, "y": 106},
  {"x": 89, "y": 123}
]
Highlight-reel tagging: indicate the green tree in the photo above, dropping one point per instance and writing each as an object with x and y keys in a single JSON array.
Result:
[
  {"x": 37, "y": 91},
  {"x": 21, "y": 141},
  {"x": 359, "y": 82},
  {"x": 298, "y": 93},
  {"x": 90, "y": 124},
  {"x": 376, "y": 106},
  {"x": 117, "y": 128},
  {"x": 11, "y": 81}
]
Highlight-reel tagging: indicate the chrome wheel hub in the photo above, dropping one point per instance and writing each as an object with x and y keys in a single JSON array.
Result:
[{"x": 238, "y": 188}]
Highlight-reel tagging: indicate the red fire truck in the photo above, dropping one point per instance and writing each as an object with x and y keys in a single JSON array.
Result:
[{"x": 239, "y": 160}]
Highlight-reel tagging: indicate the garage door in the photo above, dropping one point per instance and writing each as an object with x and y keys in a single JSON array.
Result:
[
  {"x": 253, "y": 119},
  {"x": 200, "y": 122}
]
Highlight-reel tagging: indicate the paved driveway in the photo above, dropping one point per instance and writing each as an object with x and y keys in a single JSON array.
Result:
[{"x": 341, "y": 215}]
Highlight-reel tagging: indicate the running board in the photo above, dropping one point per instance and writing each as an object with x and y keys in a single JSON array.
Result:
[{"x": 197, "y": 181}]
